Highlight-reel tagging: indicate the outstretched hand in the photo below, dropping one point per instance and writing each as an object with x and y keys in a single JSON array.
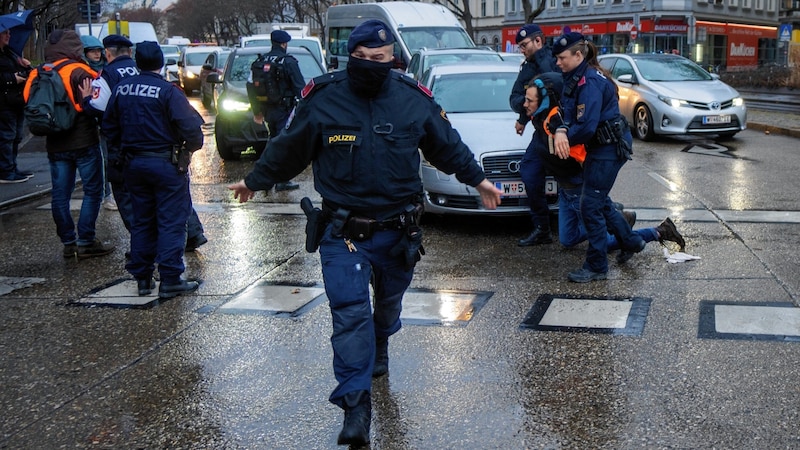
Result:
[
  {"x": 241, "y": 191},
  {"x": 490, "y": 195}
]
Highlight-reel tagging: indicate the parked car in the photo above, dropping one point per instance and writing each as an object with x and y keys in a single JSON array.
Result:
[
  {"x": 234, "y": 128},
  {"x": 192, "y": 59},
  {"x": 664, "y": 94},
  {"x": 516, "y": 58},
  {"x": 475, "y": 98},
  {"x": 214, "y": 63},
  {"x": 310, "y": 43},
  {"x": 171, "y": 52},
  {"x": 424, "y": 58}
]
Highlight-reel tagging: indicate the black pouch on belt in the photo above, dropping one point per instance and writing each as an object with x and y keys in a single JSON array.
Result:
[{"x": 409, "y": 247}]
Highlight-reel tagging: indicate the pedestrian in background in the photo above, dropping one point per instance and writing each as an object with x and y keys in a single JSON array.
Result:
[
  {"x": 78, "y": 148},
  {"x": 591, "y": 117},
  {"x": 14, "y": 71},
  {"x": 362, "y": 129},
  {"x": 94, "y": 55},
  {"x": 146, "y": 120},
  {"x": 289, "y": 84},
  {"x": 538, "y": 59},
  {"x": 542, "y": 99}
]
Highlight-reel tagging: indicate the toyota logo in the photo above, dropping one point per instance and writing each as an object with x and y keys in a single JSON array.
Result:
[
  {"x": 513, "y": 166},
  {"x": 714, "y": 106}
]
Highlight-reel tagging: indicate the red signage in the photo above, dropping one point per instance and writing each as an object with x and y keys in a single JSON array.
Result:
[{"x": 634, "y": 33}]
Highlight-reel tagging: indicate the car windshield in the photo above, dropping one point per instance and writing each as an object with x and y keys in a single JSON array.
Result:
[
  {"x": 473, "y": 92},
  {"x": 258, "y": 43},
  {"x": 222, "y": 58},
  {"x": 240, "y": 68},
  {"x": 438, "y": 37},
  {"x": 459, "y": 57},
  {"x": 170, "y": 49},
  {"x": 196, "y": 59},
  {"x": 672, "y": 69}
]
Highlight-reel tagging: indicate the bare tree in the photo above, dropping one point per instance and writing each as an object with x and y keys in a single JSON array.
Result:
[
  {"x": 462, "y": 13},
  {"x": 527, "y": 10}
]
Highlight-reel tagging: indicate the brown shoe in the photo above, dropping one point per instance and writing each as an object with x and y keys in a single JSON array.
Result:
[
  {"x": 667, "y": 231},
  {"x": 630, "y": 217},
  {"x": 94, "y": 249}
]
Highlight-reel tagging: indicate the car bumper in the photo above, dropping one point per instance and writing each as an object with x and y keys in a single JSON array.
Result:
[
  {"x": 238, "y": 129},
  {"x": 672, "y": 121}
]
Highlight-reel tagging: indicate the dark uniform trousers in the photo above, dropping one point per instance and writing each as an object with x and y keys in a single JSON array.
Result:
[
  {"x": 160, "y": 195},
  {"x": 347, "y": 276},
  {"x": 531, "y": 170}
]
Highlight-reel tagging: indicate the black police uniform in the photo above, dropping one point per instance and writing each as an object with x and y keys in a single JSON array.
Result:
[
  {"x": 531, "y": 169},
  {"x": 365, "y": 160},
  {"x": 293, "y": 82},
  {"x": 145, "y": 118},
  {"x": 11, "y": 114}
]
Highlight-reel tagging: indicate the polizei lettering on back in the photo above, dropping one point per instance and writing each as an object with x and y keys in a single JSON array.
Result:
[{"x": 139, "y": 90}]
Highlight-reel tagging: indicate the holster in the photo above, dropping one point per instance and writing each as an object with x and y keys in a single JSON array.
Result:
[
  {"x": 181, "y": 158},
  {"x": 409, "y": 247},
  {"x": 613, "y": 132},
  {"x": 315, "y": 224}
]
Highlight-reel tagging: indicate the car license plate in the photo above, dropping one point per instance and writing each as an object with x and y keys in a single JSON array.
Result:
[
  {"x": 517, "y": 188},
  {"x": 511, "y": 188},
  {"x": 716, "y": 119},
  {"x": 550, "y": 186}
]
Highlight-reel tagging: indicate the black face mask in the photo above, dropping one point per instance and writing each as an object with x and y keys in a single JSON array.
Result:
[{"x": 366, "y": 77}]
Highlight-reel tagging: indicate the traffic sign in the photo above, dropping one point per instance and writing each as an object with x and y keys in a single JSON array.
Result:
[{"x": 634, "y": 33}]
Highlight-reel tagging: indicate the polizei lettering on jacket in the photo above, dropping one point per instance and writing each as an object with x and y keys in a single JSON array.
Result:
[
  {"x": 341, "y": 138},
  {"x": 139, "y": 90}
]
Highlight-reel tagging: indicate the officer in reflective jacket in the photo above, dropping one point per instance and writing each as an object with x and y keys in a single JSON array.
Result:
[
  {"x": 591, "y": 105},
  {"x": 360, "y": 129},
  {"x": 146, "y": 119}
]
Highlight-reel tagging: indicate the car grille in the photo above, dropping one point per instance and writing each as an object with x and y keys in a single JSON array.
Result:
[
  {"x": 697, "y": 124},
  {"x": 500, "y": 167},
  {"x": 704, "y": 106}
]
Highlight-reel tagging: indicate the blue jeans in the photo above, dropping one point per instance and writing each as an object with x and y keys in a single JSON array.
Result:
[
  {"x": 531, "y": 170},
  {"x": 11, "y": 122},
  {"x": 89, "y": 164},
  {"x": 571, "y": 231},
  {"x": 599, "y": 215},
  {"x": 347, "y": 276},
  {"x": 161, "y": 205}
]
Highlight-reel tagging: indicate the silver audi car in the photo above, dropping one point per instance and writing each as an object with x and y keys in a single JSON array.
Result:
[{"x": 475, "y": 98}]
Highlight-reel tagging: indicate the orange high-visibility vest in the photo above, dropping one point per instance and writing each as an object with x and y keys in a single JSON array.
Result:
[
  {"x": 577, "y": 151},
  {"x": 65, "y": 73}
]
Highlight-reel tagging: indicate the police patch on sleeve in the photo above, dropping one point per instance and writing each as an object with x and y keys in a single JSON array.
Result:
[
  {"x": 444, "y": 115},
  {"x": 581, "y": 110}
]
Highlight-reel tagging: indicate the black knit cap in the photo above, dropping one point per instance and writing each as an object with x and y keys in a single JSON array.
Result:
[{"x": 149, "y": 55}]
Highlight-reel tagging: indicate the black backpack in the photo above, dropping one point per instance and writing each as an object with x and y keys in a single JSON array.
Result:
[
  {"x": 49, "y": 108},
  {"x": 269, "y": 79}
]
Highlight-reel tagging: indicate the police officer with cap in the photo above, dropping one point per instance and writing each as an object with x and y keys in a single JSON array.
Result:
[
  {"x": 361, "y": 128},
  {"x": 147, "y": 118},
  {"x": 591, "y": 117},
  {"x": 290, "y": 83},
  {"x": 538, "y": 60}
]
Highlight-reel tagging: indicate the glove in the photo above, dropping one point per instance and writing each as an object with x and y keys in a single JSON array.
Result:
[{"x": 409, "y": 247}]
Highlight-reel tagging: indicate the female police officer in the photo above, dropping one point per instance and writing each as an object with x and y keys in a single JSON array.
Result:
[
  {"x": 591, "y": 117},
  {"x": 361, "y": 129}
]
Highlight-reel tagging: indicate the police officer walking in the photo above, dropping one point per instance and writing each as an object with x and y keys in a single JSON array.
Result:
[
  {"x": 538, "y": 59},
  {"x": 279, "y": 83},
  {"x": 147, "y": 120},
  {"x": 591, "y": 117},
  {"x": 361, "y": 129}
]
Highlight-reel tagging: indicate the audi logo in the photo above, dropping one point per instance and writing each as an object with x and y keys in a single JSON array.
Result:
[
  {"x": 714, "y": 106},
  {"x": 513, "y": 166}
]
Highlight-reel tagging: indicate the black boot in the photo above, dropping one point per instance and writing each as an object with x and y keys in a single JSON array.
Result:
[
  {"x": 667, "y": 231},
  {"x": 145, "y": 286},
  {"x": 381, "y": 357},
  {"x": 539, "y": 235},
  {"x": 357, "y": 417}
]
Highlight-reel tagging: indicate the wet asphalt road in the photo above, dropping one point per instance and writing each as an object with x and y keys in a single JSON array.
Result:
[{"x": 184, "y": 374}]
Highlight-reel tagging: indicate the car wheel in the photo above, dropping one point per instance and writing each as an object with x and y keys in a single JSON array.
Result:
[
  {"x": 643, "y": 123},
  {"x": 226, "y": 151}
]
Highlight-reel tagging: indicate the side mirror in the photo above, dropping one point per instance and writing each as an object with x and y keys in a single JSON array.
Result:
[
  {"x": 180, "y": 64},
  {"x": 208, "y": 67},
  {"x": 171, "y": 62},
  {"x": 627, "y": 78},
  {"x": 213, "y": 77},
  {"x": 333, "y": 64}
]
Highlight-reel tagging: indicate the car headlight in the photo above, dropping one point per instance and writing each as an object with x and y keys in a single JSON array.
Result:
[
  {"x": 235, "y": 105},
  {"x": 738, "y": 101},
  {"x": 674, "y": 102},
  {"x": 190, "y": 75}
]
